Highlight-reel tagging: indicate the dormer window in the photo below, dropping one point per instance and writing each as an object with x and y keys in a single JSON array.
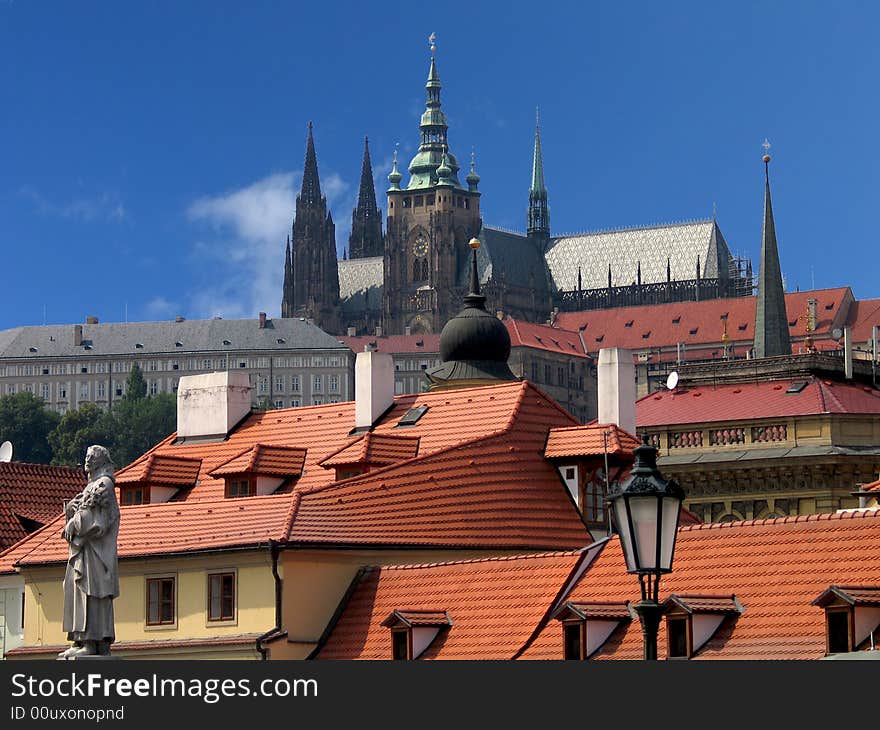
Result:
[
  {"x": 587, "y": 626},
  {"x": 412, "y": 631},
  {"x": 241, "y": 487},
  {"x": 692, "y": 620},
  {"x": 156, "y": 478},
  {"x": 852, "y": 617}
]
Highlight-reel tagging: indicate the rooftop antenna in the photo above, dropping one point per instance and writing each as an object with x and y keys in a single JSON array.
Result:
[
  {"x": 6, "y": 451},
  {"x": 672, "y": 380}
]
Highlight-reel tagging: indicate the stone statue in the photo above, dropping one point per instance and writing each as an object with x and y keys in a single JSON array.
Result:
[{"x": 91, "y": 580}]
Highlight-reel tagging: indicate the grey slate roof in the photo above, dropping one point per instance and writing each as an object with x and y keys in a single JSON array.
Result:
[
  {"x": 682, "y": 243},
  {"x": 200, "y": 335},
  {"x": 511, "y": 255},
  {"x": 359, "y": 280}
]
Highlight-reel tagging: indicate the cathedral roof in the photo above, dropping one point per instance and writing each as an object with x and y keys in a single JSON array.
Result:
[
  {"x": 360, "y": 279},
  {"x": 511, "y": 256},
  {"x": 681, "y": 243}
]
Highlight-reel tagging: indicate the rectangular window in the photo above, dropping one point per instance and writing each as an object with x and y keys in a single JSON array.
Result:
[
  {"x": 279, "y": 383},
  {"x": 294, "y": 383},
  {"x": 207, "y": 363},
  {"x": 221, "y": 597},
  {"x": 560, "y": 376},
  {"x": 262, "y": 362},
  {"x": 400, "y": 644},
  {"x": 295, "y": 403},
  {"x": 317, "y": 401},
  {"x": 548, "y": 374},
  {"x": 84, "y": 391},
  {"x": 240, "y": 488},
  {"x": 333, "y": 383},
  {"x": 296, "y": 362},
  {"x": 676, "y": 629},
  {"x": 317, "y": 362},
  {"x": 100, "y": 367},
  {"x": 263, "y": 385},
  {"x": 838, "y": 631},
  {"x": 132, "y": 495},
  {"x": 573, "y": 640},
  {"x": 160, "y": 601},
  {"x": 62, "y": 390},
  {"x": 154, "y": 387},
  {"x": 333, "y": 362},
  {"x": 318, "y": 384},
  {"x": 44, "y": 391},
  {"x": 534, "y": 372},
  {"x": 279, "y": 404},
  {"x": 154, "y": 365},
  {"x": 419, "y": 201}
]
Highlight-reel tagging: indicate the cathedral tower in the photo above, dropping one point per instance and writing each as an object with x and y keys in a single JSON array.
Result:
[
  {"x": 311, "y": 279},
  {"x": 366, "y": 220},
  {"x": 430, "y": 222}
]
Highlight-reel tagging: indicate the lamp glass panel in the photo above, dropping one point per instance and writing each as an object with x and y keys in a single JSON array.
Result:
[
  {"x": 670, "y": 510},
  {"x": 643, "y": 511},
  {"x": 622, "y": 521}
]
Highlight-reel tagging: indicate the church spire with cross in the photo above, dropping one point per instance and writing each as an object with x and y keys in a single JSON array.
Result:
[
  {"x": 539, "y": 210},
  {"x": 772, "y": 337}
]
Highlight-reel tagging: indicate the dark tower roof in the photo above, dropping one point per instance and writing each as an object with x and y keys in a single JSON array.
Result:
[
  {"x": 772, "y": 337},
  {"x": 311, "y": 185},
  {"x": 366, "y": 220},
  {"x": 474, "y": 345}
]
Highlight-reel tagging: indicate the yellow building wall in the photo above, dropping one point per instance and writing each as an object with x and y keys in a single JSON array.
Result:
[{"x": 255, "y": 599}]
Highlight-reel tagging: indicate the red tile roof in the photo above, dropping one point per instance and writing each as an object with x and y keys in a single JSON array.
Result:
[
  {"x": 394, "y": 344},
  {"x": 495, "y": 605},
  {"x": 271, "y": 461},
  {"x": 704, "y": 604},
  {"x": 588, "y": 441},
  {"x": 35, "y": 492},
  {"x": 462, "y": 489},
  {"x": 854, "y": 595},
  {"x": 700, "y": 323},
  {"x": 723, "y": 403},
  {"x": 863, "y": 315},
  {"x": 544, "y": 337},
  {"x": 378, "y": 449},
  {"x": 411, "y": 617},
  {"x": 161, "y": 470},
  {"x": 775, "y": 568}
]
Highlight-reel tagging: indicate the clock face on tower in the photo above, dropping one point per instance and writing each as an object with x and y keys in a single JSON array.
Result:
[{"x": 420, "y": 247}]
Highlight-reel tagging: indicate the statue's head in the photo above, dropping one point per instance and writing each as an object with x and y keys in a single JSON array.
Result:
[{"x": 97, "y": 457}]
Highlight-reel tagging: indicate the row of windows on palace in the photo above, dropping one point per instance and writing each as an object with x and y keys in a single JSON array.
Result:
[
  {"x": 328, "y": 388},
  {"x": 193, "y": 363},
  {"x": 419, "y": 201}
]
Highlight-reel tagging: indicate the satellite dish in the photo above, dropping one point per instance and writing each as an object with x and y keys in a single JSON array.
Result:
[
  {"x": 837, "y": 333},
  {"x": 6, "y": 451},
  {"x": 672, "y": 380}
]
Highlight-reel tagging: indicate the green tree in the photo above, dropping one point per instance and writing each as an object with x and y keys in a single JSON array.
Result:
[
  {"x": 26, "y": 422},
  {"x": 78, "y": 430},
  {"x": 135, "y": 385},
  {"x": 139, "y": 424}
]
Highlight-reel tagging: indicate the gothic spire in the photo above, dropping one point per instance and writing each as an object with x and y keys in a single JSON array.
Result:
[
  {"x": 366, "y": 220},
  {"x": 311, "y": 185},
  {"x": 539, "y": 211},
  {"x": 772, "y": 337}
]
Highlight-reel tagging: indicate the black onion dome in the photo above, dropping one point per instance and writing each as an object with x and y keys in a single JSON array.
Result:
[{"x": 474, "y": 334}]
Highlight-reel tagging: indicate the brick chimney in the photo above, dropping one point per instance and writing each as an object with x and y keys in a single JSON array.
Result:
[
  {"x": 210, "y": 405},
  {"x": 77, "y": 335},
  {"x": 617, "y": 388},
  {"x": 91, "y": 319},
  {"x": 373, "y": 387},
  {"x": 262, "y": 320}
]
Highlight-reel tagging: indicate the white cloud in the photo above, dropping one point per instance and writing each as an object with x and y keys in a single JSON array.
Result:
[
  {"x": 105, "y": 206},
  {"x": 160, "y": 308},
  {"x": 247, "y": 253}
]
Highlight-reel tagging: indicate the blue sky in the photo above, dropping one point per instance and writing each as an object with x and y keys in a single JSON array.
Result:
[{"x": 150, "y": 153}]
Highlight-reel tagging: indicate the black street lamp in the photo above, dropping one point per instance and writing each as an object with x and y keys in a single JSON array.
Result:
[{"x": 646, "y": 509}]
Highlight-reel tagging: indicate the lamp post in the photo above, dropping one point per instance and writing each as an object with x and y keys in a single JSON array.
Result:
[{"x": 646, "y": 509}]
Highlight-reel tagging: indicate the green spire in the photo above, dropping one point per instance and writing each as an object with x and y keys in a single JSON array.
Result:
[
  {"x": 434, "y": 144},
  {"x": 473, "y": 179},
  {"x": 539, "y": 210},
  {"x": 394, "y": 177}
]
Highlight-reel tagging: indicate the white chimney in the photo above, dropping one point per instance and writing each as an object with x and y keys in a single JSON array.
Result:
[
  {"x": 847, "y": 353},
  {"x": 617, "y": 388},
  {"x": 209, "y": 405},
  {"x": 373, "y": 387},
  {"x": 352, "y": 331}
]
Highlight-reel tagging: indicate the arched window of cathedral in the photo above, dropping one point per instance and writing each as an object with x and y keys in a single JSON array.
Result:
[
  {"x": 417, "y": 270},
  {"x": 424, "y": 269}
]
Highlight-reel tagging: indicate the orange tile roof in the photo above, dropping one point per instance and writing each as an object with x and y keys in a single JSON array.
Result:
[
  {"x": 34, "y": 492},
  {"x": 700, "y": 323},
  {"x": 854, "y": 595},
  {"x": 466, "y": 441},
  {"x": 593, "y": 610},
  {"x": 745, "y": 401},
  {"x": 162, "y": 470},
  {"x": 378, "y": 449},
  {"x": 775, "y": 568},
  {"x": 422, "y": 617},
  {"x": 544, "y": 337},
  {"x": 704, "y": 604},
  {"x": 272, "y": 461},
  {"x": 484, "y": 600},
  {"x": 588, "y": 441},
  {"x": 863, "y": 316}
]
